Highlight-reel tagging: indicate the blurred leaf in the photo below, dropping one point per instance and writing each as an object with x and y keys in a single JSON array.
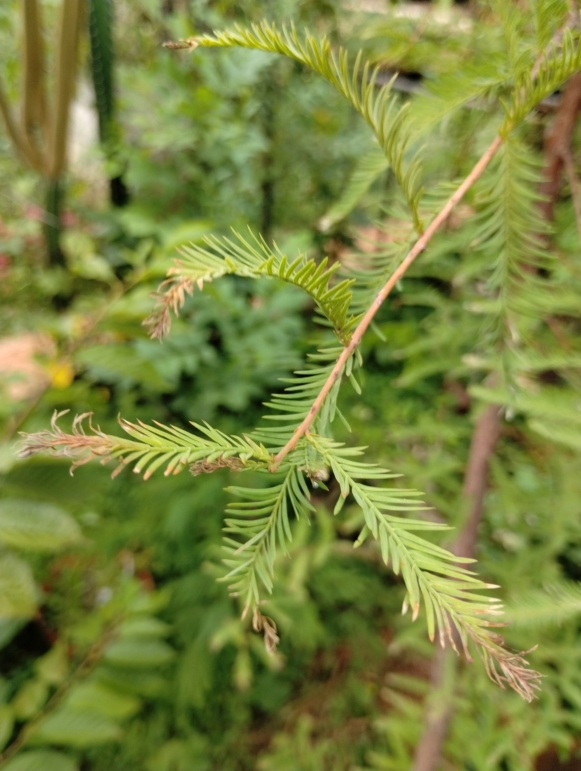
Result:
[
  {"x": 76, "y": 729},
  {"x": 138, "y": 652},
  {"x": 144, "y": 626},
  {"x": 143, "y": 682},
  {"x": 34, "y": 526},
  {"x": 97, "y": 697},
  {"x": 180, "y": 755},
  {"x": 6, "y": 724},
  {"x": 186, "y": 232},
  {"x": 124, "y": 364},
  {"x": 194, "y": 674},
  {"x": 18, "y": 592},
  {"x": 9, "y": 627},
  {"x": 82, "y": 259},
  {"x": 30, "y": 699},
  {"x": 53, "y": 667},
  {"x": 41, "y": 760}
]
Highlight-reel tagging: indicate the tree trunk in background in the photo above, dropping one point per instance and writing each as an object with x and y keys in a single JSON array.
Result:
[{"x": 52, "y": 222}]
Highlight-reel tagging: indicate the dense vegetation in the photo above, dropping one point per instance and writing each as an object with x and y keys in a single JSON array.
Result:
[{"x": 121, "y": 647}]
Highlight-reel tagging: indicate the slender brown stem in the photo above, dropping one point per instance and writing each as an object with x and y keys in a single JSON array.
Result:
[
  {"x": 419, "y": 246},
  {"x": 557, "y": 145},
  {"x": 439, "y": 708},
  {"x": 574, "y": 188},
  {"x": 484, "y": 440},
  {"x": 438, "y": 711}
]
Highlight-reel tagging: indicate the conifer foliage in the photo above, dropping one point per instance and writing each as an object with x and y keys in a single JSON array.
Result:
[{"x": 294, "y": 450}]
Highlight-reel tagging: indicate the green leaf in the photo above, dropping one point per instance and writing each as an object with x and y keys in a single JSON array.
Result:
[
  {"x": 76, "y": 729},
  {"x": 18, "y": 592},
  {"x": 34, "y": 526},
  {"x": 181, "y": 755},
  {"x": 144, "y": 626},
  {"x": 97, "y": 697},
  {"x": 560, "y": 62},
  {"x": 9, "y": 627},
  {"x": 6, "y": 724},
  {"x": 139, "y": 681},
  {"x": 125, "y": 365},
  {"x": 41, "y": 760},
  {"x": 30, "y": 699},
  {"x": 194, "y": 674},
  {"x": 136, "y": 652},
  {"x": 53, "y": 667}
]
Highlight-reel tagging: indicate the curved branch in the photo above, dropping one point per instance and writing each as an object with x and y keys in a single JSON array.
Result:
[{"x": 419, "y": 246}]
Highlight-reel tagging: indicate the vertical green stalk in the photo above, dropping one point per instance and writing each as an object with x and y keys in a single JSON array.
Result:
[
  {"x": 66, "y": 70},
  {"x": 52, "y": 226},
  {"x": 268, "y": 174},
  {"x": 102, "y": 72},
  {"x": 35, "y": 117}
]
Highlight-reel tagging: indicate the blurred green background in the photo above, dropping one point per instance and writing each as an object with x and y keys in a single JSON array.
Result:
[{"x": 119, "y": 648}]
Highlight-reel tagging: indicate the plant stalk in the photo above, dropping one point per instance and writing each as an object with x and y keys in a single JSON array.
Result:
[
  {"x": 440, "y": 708},
  {"x": 419, "y": 246},
  {"x": 52, "y": 224}
]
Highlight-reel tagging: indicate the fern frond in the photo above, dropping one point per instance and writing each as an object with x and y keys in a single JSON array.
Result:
[
  {"x": 509, "y": 238},
  {"x": 552, "y": 71},
  {"x": 369, "y": 167},
  {"x": 150, "y": 448},
  {"x": 387, "y": 120},
  {"x": 257, "y": 526},
  {"x": 252, "y": 258},
  {"x": 290, "y": 407},
  {"x": 471, "y": 85},
  {"x": 548, "y": 17},
  {"x": 552, "y": 412},
  {"x": 455, "y": 609},
  {"x": 554, "y": 604}
]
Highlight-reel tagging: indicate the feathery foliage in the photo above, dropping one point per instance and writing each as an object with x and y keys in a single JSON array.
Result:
[
  {"x": 379, "y": 107},
  {"x": 509, "y": 237},
  {"x": 151, "y": 447},
  {"x": 298, "y": 445},
  {"x": 257, "y": 526},
  {"x": 561, "y": 61},
  {"x": 252, "y": 258}
]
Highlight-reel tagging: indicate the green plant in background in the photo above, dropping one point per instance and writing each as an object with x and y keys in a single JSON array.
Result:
[
  {"x": 301, "y": 446},
  {"x": 103, "y": 75},
  {"x": 42, "y": 134},
  {"x": 502, "y": 315}
]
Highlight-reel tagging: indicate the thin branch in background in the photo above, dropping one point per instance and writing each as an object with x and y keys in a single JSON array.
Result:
[
  {"x": 557, "y": 149},
  {"x": 419, "y": 246},
  {"x": 439, "y": 709},
  {"x": 575, "y": 189},
  {"x": 35, "y": 113}
]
